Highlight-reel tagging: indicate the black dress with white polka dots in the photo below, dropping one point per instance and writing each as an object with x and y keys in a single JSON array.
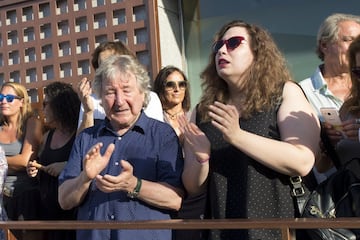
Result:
[{"x": 240, "y": 187}]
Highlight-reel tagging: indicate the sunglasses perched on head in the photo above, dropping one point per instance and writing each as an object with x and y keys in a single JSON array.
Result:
[
  {"x": 170, "y": 85},
  {"x": 9, "y": 97},
  {"x": 230, "y": 43},
  {"x": 356, "y": 71}
]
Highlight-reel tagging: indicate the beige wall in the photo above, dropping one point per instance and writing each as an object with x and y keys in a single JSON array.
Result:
[{"x": 170, "y": 30}]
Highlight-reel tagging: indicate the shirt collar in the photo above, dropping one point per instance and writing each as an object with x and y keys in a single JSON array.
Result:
[
  {"x": 318, "y": 80},
  {"x": 139, "y": 125}
]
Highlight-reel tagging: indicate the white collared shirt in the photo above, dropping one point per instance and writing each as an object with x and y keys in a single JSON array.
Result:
[{"x": 318, "y": 94}]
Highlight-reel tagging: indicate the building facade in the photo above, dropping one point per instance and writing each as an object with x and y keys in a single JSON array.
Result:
[
  {"x": 45, "y": 41},
  {"x": 48, "y": 40}
]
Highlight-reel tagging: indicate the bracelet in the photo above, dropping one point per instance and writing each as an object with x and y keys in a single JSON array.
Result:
[
  {"x": 135, "y": 192},
  {"x": 202, "y": 161}
]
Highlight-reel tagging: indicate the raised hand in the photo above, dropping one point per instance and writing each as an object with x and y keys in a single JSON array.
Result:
[
  {"x": 195, "y": 141},
  {"x": 226, "y": 119},
  {"x": 94, "y": 162},
  {"x": 125, "y": 181}
]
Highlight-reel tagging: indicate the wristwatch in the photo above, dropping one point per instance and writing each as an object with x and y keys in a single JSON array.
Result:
[{"x": 135, "y": 192}]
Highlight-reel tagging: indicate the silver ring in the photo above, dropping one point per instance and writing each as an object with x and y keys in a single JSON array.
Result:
[{"x": 357, "y": 120}]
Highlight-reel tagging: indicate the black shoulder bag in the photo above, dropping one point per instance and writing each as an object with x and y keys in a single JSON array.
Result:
[{"x": 337, "y": 196}]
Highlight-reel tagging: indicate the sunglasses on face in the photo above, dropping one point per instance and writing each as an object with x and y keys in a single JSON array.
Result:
[
  {"x": 170, "y": 85},
  {"x": 230, "y": 43},
  {"x": 9, "y": 97},
  {"x": 356, "y": 71}
]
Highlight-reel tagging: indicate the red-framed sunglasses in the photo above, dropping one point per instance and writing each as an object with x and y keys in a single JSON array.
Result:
[{"x": 230, "y": 43}]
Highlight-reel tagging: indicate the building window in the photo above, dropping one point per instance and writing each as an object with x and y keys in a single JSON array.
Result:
[
  {"x": 82, "y": 46},
  {"x": 99, "y": 20},
  {"x": 30, "y": 55},
  {"x": 48, "y": 73},
  {"x": 29, "y": 34},
  {"x": 14, "y": 58},
  {"x": 64, "y": 49},
  {"x": 65, "y": 70},
  {"x": 12, "y": 38},
  {"x": 100, "y": 39},
  {"x": 83, "y": 67},
  {"x": 44, "y": 10},
  {"x": 15, "y": 77},
  {"x": 11, "y": 17},
  {"x": 46, "y": 52},
  {"x": 97, "y": 3},
  {"x": 45, "y": 31},
  {"x": 119, "y": 17},
  {"x": 2, "y": 78},
  {"x": 121, "y": 36},
  {"x": 30, "y": 75},
  {"x": 63, "y": 28},
  {"x": 81, "y": 24},
  {"x": 61, "y": 7},
  {"x": 33, "y": 95},
  {"x": 28, "y": 14},
  {"x": 139, "y": 13},
  {"x": 79, "y": 5},
  {"x": 140, "y": 36}
]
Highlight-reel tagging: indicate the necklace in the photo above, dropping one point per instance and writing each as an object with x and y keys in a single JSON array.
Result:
[{"x": 173, "y": 116}]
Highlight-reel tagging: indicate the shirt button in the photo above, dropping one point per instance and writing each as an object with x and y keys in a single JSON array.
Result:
[
  {"x": 117, "y": 163},
  {"x": 112, "y": 217},
  {"x": 119, "y": 138}
]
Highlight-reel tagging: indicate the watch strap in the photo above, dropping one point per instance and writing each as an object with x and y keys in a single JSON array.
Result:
[{"x": 135, "y": 192}]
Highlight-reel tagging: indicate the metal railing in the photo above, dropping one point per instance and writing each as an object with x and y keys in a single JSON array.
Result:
[{"x": 286, "y": 225}]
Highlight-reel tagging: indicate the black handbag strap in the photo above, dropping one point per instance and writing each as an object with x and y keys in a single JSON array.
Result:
[
  {"x": 298, "y": 193},
  {"x": 298, "y": 190}
]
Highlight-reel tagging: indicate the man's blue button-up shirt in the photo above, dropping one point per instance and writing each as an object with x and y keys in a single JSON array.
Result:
[{"x": 152, "y": 148}]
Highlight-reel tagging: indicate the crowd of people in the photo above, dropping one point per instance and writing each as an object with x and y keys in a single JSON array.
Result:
[{"x": 121, "y": 148}]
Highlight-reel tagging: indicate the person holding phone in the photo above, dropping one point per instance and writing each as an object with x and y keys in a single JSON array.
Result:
[
  {"x": 330, "y": 84},
  {"x": 349, "y": 147}
]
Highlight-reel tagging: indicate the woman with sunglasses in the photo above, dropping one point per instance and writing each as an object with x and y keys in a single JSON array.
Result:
[
  {"x": 173, "y": 89},
  {"x": 61, "y": 107},
  {"x": 253, "y": 130},
  {"x": 20, "y": 137}
]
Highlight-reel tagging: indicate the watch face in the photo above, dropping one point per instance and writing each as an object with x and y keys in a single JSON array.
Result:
[
  {"x": 136, "y": 191},
  {"x": 132, "y": 194}
]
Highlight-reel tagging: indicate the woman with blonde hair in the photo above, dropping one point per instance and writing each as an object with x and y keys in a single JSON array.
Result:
[{"x": 20, "y": 137}]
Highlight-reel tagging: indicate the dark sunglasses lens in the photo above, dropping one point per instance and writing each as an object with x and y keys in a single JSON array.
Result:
[
  {"x": 356, "y": 71},
  {"x": 233, "y": 43},
  {"x": 170, "y": 85},
  {"x": 182, "y": 85},
  {"x": 1, "y": 97},
  {"x": 218, "y": 45},
  {"x": 10, "y": 98}
]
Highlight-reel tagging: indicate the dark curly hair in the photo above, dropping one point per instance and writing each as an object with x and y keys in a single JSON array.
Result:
[
  {"x": 265, "y": 77},
  {"x": 65, "y": 104}
]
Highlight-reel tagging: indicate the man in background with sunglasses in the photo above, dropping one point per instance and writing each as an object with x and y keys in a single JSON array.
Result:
[{"x": 330, "y": 85}]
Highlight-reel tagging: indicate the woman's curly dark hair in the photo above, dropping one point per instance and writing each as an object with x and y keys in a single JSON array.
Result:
[
  {"x": 266, "y": 76},
  {"x": 65, "y": 104}
]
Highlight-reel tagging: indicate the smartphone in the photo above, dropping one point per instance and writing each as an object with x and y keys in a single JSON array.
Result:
[{"x": 331, "y": 116}]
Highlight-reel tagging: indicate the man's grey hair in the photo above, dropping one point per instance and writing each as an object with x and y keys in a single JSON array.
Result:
[
  {"x": 124, "y": 64},
  {"x": 329, "y": 29}
]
